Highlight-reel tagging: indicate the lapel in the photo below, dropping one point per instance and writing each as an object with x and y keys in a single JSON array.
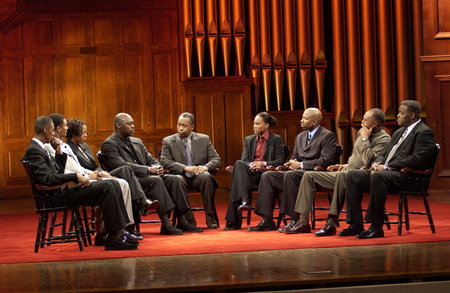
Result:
[
  {"x": 407, "y": 140},
  {"x": 178, "y": 142},
  {"x": 123, "y": 145},
  {"x": 268, "y": 144},
  {"x": 194, "y": 145},
  {"x": 51, "y": 163},
  {"x": 251, "y": 151},
  {"x": 137, "y": 152}
]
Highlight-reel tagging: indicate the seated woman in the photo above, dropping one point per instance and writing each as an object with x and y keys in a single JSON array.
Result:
[{"x": 261, "y": 149}]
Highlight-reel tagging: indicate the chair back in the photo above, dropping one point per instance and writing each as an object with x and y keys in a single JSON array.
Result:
[
  {"x": 418, "y": 182},
  {"x": 43, "y": 199},
  {"x": 102, "y": 161},
  {"x": 339, "y": 151},
  {"x": 287, "y": 150}
]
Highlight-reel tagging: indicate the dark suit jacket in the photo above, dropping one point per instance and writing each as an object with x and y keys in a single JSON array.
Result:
[
  {"x": 89, "y": 162},
  {"x": 173, "y": 156},
  {"x": 415, "y": 152},
  {"x": 117, "y": 154},
  {"x": 45, "y": 172},
  {"x": 320, "y": 152},
  {"x": 274, "y": 151}
]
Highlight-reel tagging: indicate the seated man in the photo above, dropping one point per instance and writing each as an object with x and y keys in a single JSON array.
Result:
[
  {"x": 50, "y": 171},
  {"x": 411, "y": 146},
  {"x": 261, "y": 149},
  {"x": 315, "y": 146},
  {"x": 191, "y": 156},
  {"x": 371, "y": 140},
  {"x": 72, "y": 166},
  {"x": 122, "y": 149}
]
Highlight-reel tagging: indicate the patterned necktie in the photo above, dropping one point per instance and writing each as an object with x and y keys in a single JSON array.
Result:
[
  {"x": 308, "y": 141},
  {"x": 187, "y": 149},
  {"x": 395, "y": 147}
]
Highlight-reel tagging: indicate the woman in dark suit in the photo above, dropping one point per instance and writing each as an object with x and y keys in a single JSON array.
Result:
[{"x": 261, "y": 149}]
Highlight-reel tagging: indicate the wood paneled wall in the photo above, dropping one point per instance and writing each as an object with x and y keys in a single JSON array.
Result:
[
  {"x": 436, "y": 60},
  {"x": 91, "y": 65}
]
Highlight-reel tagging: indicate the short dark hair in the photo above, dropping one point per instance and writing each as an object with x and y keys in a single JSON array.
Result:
[
  {"x": 413, "y": 106},
  {"x": 75, "y": 127},
  {"x": 188, "y": 115},
  {"x": 378, "y": 115},
  {"x": 267, "y": 118},
  {"x": 58, "y": 119},
  {"x": 41, "y": 123}
]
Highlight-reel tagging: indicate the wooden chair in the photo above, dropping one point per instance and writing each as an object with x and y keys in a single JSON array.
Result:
[
  {"x": 49, "y": 201},
  {"x": 417, "y": 186},
  {"x": 254, "y": 193},
  {"x": 105, "y": 166}
]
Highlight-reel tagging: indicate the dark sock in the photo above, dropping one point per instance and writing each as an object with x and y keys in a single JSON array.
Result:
[{"x": 165, "y": 221}]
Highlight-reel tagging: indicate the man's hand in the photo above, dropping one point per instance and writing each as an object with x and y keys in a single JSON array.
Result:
[
  {"x": 156, "y": 169},
  {"x": 376, "y": 167},
  {"x": 200, "y": 169},
  {"x": 256, "y": 166},
  {"x": 366, "y": 132},
  {"x": 83, "y": 180},
  {"x": 104, "y": 174},
  {"x": 343, "y": 167},
  {"x": 56, "y": 144},
  {"x": 293, "y": 165},
  {"x": 94, "y": 176}
]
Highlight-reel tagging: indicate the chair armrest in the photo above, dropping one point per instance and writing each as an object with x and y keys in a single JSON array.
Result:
[
  {"x": 408, "y": 170},
  {"x": 319, "y": 168},
  {"x": 46, "y": 188},
  {"x": 280, "y": 168}
]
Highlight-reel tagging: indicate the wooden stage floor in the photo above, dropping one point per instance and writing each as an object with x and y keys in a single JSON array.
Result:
[{"x": 302, "y": 269}]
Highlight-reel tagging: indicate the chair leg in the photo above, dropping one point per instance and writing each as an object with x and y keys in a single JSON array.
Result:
[
  {"x": 44, "y": 230},
  {"x": 386, "y": 220},
  {"x": 280, "y": 218},
  {"x": 249, "y": 217},
  {"x": 86, "y": 225},
  {"x": 39, "y": 233},
  {"x": 400, "y": 214},
  {"x": 406, "y": 211},
  {"x": 430, "y": 218},
  {"x": 77, "y": 223},
  {"x": 53, "y": 224},
  {"x": 313, "y": 214}
]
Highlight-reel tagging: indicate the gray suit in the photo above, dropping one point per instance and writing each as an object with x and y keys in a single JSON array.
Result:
[
  {"x": 363, "y": 154},
  {"x": 173, "y": 158},
  {"x": 320, "y": 152},
  {"x": 168, "y": 189}
]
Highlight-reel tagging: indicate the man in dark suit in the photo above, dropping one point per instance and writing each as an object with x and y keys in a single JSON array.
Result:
[
  {"x": 315, "y": 146},
  {"x": 107, "y": 194},
  {"x": 76, "y": 139},
  {"x": 122, "y": 149},
  {"x": 192, "y": 156},
  {"x": 261, "y": 149},
  {"x": 411, "y": 146}
]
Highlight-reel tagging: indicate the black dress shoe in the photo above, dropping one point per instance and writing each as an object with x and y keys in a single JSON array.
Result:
[
  {"x": 211, "y": 222},
  {"x": 327, "y": 230},
  {"x": 100, "y": 240},
  {"x": 351, "y": 231},
  {"x": 299, "y": 228},
  {"x": 264, "y": 226},
  {"x": 119, "y": 242},
  {"x": 232, "y": 226},
  {"x": 245, "y": 206},
  {"x": 133, "y": 237},
  {"x": 371, "y": 233},
  {"x": 150, "y": 204},
  {"x": 288, "y": 226},
  {"x": 190, "y": 228},
  {"x": 170, "y": 230}
]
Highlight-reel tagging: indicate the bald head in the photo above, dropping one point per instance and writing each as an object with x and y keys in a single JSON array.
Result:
[
  {"x": 311, "y": 118},
  {"x": 124, "y": 125}
]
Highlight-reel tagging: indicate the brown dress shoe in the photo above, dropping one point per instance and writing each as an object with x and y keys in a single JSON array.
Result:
[
  {"x": 326, "y": 230},
  {"x": 299, "y": 228}
]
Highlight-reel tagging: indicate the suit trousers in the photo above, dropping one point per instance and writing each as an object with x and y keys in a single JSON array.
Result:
[
  {"x": 206, "y": 184},
  {"x": 328, "y": 180},
  {"x": 356, "y": 182},
  {"x": 271, "y": 184},
  {"x": 382, "y": 183},
  {"x": 104, "y": 193},
  {"x": 168, "y": 190},
  {"x": 241, "y": 182}
]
